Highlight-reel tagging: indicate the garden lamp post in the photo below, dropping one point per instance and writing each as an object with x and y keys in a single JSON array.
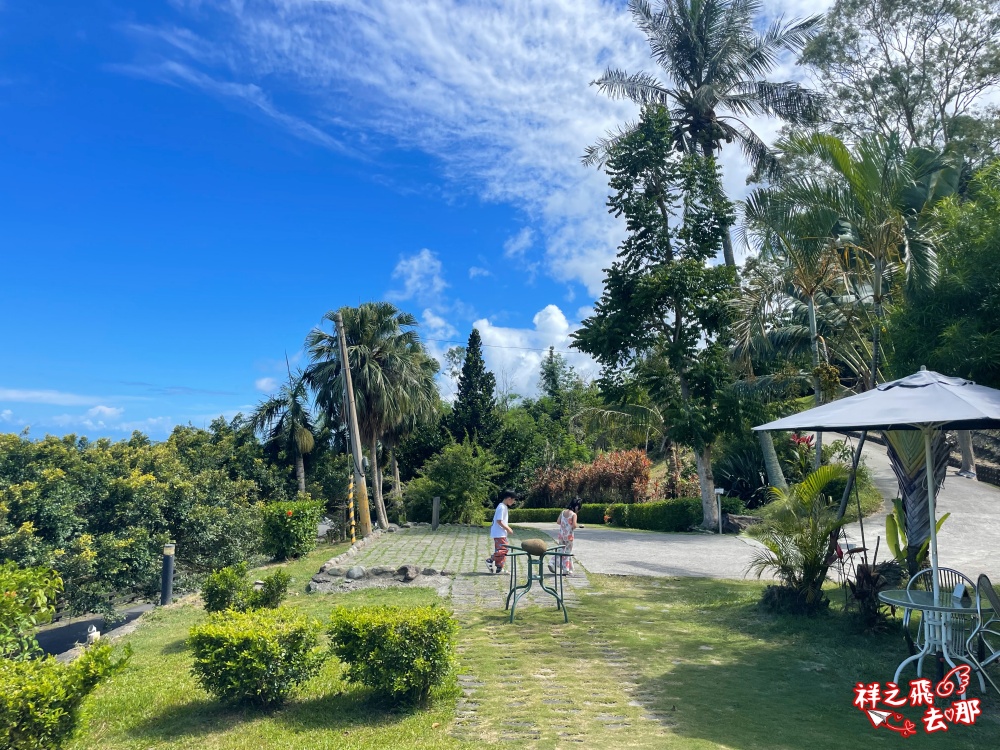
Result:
[{"x": 167, "y": 576}]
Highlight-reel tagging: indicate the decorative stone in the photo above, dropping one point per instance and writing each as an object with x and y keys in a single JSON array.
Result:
[
  {"x": 733, "y": 524},
  {"x": 408, "y": 572},
  {"x": 380, "y": 570},
  {"x": 355, "y": 573},
  {"x": 393, "y": 528},
  {"x": 336, "y": 571},
  {"x": 406, "y": 525},
  {"x": 320, "y": 578},
  {"x": 429, "y": 572}
]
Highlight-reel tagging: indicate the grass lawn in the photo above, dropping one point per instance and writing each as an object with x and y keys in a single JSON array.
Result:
[{"x": 657, "y": 663}]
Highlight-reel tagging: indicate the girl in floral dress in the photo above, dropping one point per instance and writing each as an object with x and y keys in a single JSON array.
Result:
[{"x": 567, "y": 525}]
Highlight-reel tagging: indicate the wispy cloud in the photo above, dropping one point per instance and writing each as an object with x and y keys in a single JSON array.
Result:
[
  {"x": 53, "y": 398},
  {"x": 476, "y": 272},
  {"x": 105, "y": 412},
  {"x": 6, "y": 415},
  {"x": 420, "y": 275},
  {"x": 266, "y": 385},
  {"x": 517, "y": 246}
]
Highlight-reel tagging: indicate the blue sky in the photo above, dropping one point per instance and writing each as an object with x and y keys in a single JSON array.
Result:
[{"x": 187, "y": 187}]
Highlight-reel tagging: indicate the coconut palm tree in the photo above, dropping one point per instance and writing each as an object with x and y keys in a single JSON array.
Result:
[
  {"x": 285, "y": 420},
  {"x": 716, "y": 63},
  {"x": 391, "y": 374}
]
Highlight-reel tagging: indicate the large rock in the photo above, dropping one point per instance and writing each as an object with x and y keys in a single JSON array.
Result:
[
  {"x": 356, "y": 573},
  {"x": 733, "y": 524},
  {"x": 381, "y": 570},
  {"x": 429, "y": 572},
  {"x": 408, "y": 572},
  {"x": 393, "y": 528}
]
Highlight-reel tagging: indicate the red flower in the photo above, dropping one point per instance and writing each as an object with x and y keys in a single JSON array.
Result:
[{"x": 288, "y": 513}]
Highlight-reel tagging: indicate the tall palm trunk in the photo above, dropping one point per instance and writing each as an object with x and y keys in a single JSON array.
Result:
[
  {"x": 775, "y": 476},
  {"x": 383, "y": 519},
  {"x": 968, "y": 454},
  {"x": 300, "y": 472},
  {"x": 727, "y": 240},
  {"x": 706, "y": 480},
  {"x": 817, "y": 383},
  {"x": 397, "y": 488}
]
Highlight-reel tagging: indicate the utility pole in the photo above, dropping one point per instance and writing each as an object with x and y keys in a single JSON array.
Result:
[{"x": 364, "y": 516}]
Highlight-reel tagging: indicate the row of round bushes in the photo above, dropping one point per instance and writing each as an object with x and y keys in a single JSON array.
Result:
[
  {"x": 258, "y": 657},
  {"x": 677, "y": 514}
]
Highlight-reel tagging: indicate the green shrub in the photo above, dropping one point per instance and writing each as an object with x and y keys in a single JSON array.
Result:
[
  {"x": 398, "y": 652},
  {"x": 231, "y": 588},
  {"x": 462, "y": 476},
  {"x": 679, "y": 514},
  {"x": 27, "y": 600},
  {"x": 535, "y": 515},
  {"x": 255, "y": 657},
  {"x": 290, "y": 528},
  {"x": 40, "y": 698},
  {"x": 592, "y": 513}
]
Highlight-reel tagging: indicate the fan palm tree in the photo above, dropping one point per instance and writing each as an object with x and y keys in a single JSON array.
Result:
[
  {"x": 390, "y": 372},
  {"x": 880, "y": 193},
  {"x": 285, "y": 420},
  {"x": 716, "y": 63}
]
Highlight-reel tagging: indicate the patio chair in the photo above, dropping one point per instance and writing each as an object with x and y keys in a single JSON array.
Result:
[
  {"x": 948, "y": 580},
  {"x": 987, "y": 632}
]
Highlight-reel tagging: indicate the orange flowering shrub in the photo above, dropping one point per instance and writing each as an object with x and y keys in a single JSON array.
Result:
[{"x": 615, "y": 477}]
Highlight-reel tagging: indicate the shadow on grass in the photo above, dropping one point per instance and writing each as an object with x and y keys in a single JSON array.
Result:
[
  {"x": 340, "y": 710},
  {"x": 175, "y": 647},
  {"x": 720, "y": 669}
]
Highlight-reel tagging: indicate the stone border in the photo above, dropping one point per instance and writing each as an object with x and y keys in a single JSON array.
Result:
[{"x": 343, "y": 557}]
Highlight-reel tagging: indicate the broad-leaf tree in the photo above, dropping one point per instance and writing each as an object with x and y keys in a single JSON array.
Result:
[
  {"x": 919, "y": 69},
  {"x": 664, "y": 307},
  {"x": 716, "y": 65}
]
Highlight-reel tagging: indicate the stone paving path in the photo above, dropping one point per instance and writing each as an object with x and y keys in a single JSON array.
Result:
[{"x": 583, "y": 675}]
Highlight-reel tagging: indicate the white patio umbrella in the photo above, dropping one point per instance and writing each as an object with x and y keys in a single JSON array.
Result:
[{"x": 925, "y": 401}]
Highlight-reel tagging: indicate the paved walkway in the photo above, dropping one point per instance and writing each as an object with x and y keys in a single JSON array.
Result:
[{"x": 651, "y": 553}]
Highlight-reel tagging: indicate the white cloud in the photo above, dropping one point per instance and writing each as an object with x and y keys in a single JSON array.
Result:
[
  {"x": 498, "y": 90},
  {"x": 266, "y": 385},
  {"x": 515, "y": 354},
  {"x": 420, "y": 275},
  {"x": 105, "y": 412},
  {"x": 6, "y": 415},
  {"x": 475, "y": 272},
  {"x": 54, "y": 398},
  {"x": 517, "y": 246}
]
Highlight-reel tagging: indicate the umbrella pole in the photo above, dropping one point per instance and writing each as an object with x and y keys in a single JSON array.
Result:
[{"x": 929, "y": 470}]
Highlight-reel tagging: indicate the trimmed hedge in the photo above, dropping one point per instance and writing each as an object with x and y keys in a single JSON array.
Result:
[
  {"x": 255, "y": 657},
  {"x": 289, "y": 528},
  {"x": 592, "y": 513},
  {"x": 679, "y": 514},
  {"x": 40, "y": 698},
  {"x": 534, "y": 515},
  {"x": 231, "y": 588},
  {"x": 398, "y": 652}
]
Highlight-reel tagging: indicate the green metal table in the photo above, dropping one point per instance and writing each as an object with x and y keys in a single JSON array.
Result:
[{"x": 536, "y": 572}]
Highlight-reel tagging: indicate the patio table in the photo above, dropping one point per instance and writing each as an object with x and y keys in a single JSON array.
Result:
[
  {"x": 937, "y": 613},
  {"x": 536, "y": 572}
]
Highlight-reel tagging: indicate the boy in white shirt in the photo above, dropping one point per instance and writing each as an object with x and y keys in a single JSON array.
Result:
[{"x": 499, "y": 531}]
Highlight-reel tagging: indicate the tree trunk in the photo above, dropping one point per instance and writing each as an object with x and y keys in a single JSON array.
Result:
[
  {"x": 397, "y": 487},
  {"x": 775, "y": 476},
  {"x": 727, "y": 239},
  {"x": 817, "y": 383},
  {"x": 703, "y": 460},
  {"x": 968, "y": 454},
  {"x": 383, "y": 520},
  {"x": 300, "y": 472}
]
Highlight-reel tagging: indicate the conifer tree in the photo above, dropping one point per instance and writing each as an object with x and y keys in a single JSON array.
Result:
[{"x": 475, "y": 414}]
